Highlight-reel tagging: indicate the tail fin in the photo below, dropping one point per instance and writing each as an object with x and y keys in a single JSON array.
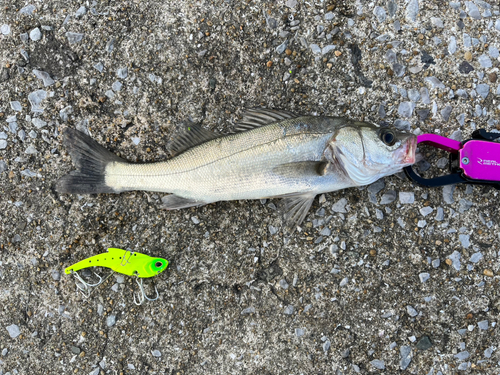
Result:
[{"x": 90, "y": 159}]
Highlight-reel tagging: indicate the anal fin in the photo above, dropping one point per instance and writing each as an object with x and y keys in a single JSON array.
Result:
[{"x": 175, "y": 202}]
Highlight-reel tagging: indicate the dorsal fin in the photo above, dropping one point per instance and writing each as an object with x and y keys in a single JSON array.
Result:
[
  {"x": 192, "y": 135},
  {"x": 256, "y": 117}
]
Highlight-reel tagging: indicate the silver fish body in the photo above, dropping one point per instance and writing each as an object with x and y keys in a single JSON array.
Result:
[{"x": 276, "y": 155}]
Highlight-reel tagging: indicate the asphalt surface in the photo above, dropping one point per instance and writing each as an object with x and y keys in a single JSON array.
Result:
[{"x": 384, "y": 279}]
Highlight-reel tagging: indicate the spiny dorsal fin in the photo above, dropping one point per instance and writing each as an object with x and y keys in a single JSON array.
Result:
[
  {"x": 192, "y": 135},
  {"x": 257, "y": 117}
]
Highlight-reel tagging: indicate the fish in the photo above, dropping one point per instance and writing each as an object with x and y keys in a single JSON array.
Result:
[
  {"x": 124, "y": 262},
  {"x": 269, "y": 154}
]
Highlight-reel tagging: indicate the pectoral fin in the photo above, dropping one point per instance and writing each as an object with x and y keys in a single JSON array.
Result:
[
  {"x": 175, "y": 202},
  {"x": 296, "y": 209}
]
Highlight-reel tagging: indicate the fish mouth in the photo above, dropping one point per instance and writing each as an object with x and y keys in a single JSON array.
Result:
[{"x": 410, "y": 149}]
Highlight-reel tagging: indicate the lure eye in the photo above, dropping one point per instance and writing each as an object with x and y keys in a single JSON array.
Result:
[
  {"x": 388, "y": 137},
  {"x": 158, "y": 264}
]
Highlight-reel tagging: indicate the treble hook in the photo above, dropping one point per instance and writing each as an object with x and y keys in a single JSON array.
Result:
[
  {"x": 142, "y": 295},
  {"x": 86, "y": 288}
]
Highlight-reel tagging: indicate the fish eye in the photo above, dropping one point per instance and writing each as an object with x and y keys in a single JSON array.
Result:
[
  {"x": 388, "y": 137},
  {"x": 158, "y": 264}
]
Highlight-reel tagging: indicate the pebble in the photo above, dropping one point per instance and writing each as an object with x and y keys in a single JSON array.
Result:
[
  {"x": 485, "y": 61},
  {"x": 16, "y": 106},
  {"x": 406, "y": 356},
  {"x": 344, "y": 282},
  {"x": 28, "y": 9},
  {"x": 390, "y": 56},
  {"x": 248, "y": 310},
  {"x": 424, "y": 276},
  {"x": 411, "y": 311},
  {"x": 412, "y": 10},
  {"x": 339, "y": 206},
  {"x": 74, "y": 37},
  {"x": 282, "y": 47},
  {"x": 315, "y": 49},
  {"x": 455, "y": 259},
  {"x": 3, "y": 144},
  {"x": 299, "y": 332},
  {"x": 13, "y": 330},
  {"x": 156, "y": 353},
  {"x": 446, "y": 112},
  {"x": 379, "y": 12},
  {"x": 448, "y": 193},
  {"x": 376, "y": 186},
  {"x": 488, "y": 352},
  {"x": 472, "y": 10},
  {"x": 99, "y": 67},
  {"x": 483, "y": 90},
  {"x": 378, "y": 364},
  {"x": 465, "y": 240},
  {"x": 81, "y": 11},
  {"x": 493, "y": 52},
  {"x": 452, "y": 45},
  {"x": 388, "y": 197},
  {"x": 121, "y": 72},
  {"x": 195, "y": 220},
  {"x": 439, "y": 214},
  {"x": 424, "y": 343},
  {"x": 329, "y": 16},
  {"x": 421, "y": 223},
  {"x": 44, "y": 76},
  {"x": 465, "y": 205},
  {"x": 436, "y": 263},
  {"x": 38, "y": 122},
  {"x": 111, "y": 320},
  {"x": 424, "y": 211},
  {"x": 406, "y": 197},
  {"x": 117, "y": 86},
  {"x": 438, "y": 22},
  {"x": 405, "y": 109},
  {"x": 461, "y": 119},
  {"x": 327, "y": 49},
  {"x": 35, "y": 98},
  {"x": 483, "y": 324},
  {"x": 325, "y": 231},
  {"x": 75, "y": 349},
  {"x": 413, "y": 95},
  {"x": 424, "y": 93},
  {"x": 399, "y": 70},
  {"x": 476, "y": 257},
  {"x": 3, "y": 166},
  {"x": 35, "y": 34},
  {"x": 291, "y": 3},
  {"x": 462, "y": 355},
  {"x": 434, "y": 83},
  {"x": 289, "y": 310}
]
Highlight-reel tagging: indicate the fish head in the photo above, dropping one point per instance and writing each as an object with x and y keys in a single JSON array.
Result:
[
  {"x": 367, "y": 152},
  {"x": 155, "y": 266}
]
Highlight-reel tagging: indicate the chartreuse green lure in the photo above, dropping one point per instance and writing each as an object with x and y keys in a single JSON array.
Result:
[{"x": 124, "y": 262}]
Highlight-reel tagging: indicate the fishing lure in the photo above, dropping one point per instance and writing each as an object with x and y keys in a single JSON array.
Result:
[{"x": 124, "y": 262}]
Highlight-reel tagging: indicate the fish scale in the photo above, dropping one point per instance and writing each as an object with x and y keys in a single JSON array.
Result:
[{"x": 228, "y": 169}]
